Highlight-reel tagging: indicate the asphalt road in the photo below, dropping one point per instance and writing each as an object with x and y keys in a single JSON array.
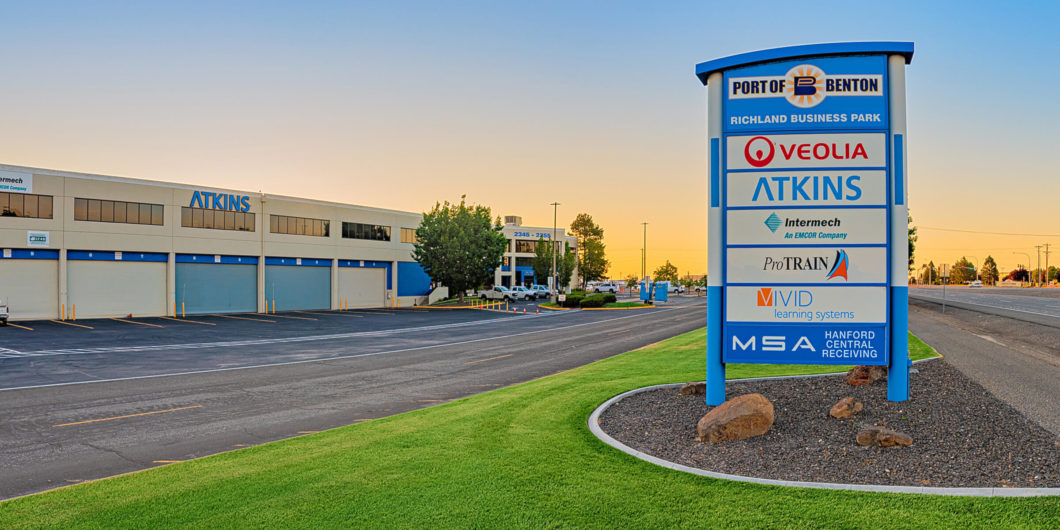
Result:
[
  {"x": 78, "y": 404},
  {"x": 1012, "y": 350}
]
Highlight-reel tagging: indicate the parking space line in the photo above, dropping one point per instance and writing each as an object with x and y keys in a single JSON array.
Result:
[
  {"x": 288, "y": 316},
  {"x": 190, "y": 321},
  {"x": 490, "y": 359},
  {"x": 243, "y": 318},
  {"x": 18, "y": 326},
  {"x": 128, "y": 416},
  {"x": 71, "y": 324},
  {"x": 165, "y": 461},
  {"x": 330, "y": 314},
  {"x": 139, "y": 323}
]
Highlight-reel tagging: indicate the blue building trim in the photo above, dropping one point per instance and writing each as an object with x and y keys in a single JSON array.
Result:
[
  {"x": 211, "y": 258},
  {"x": 715, "y": 172},
  {"x": 94, "y": 255},
  {"x": 412, "y": 279},
  {"x": 703, "y": 70},
  {"x": 306, "y": 262},
  {"x": 24, "y": 253},
  {"x": 899, "y": 168}
]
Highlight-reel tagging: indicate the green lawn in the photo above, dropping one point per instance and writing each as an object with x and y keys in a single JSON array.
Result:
[{"x": 520, "y": 456}]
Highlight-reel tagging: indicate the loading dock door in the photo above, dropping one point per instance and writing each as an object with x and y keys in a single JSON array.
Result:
[
  {"x": 294, "y": 287},
  {"x": 30, "y": 287},
  {"x": 362, "y": 287},
  {"x": 216, "y": 288},
  {"x": 117, "y": 288}
]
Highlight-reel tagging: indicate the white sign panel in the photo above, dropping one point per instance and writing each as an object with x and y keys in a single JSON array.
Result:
[
  {"x": 807, "y": 227},
  {"x": 804, "y": 305},
  {"x": 779, "y": 151},
  {"x": 16, "y": 182},
  {"x": 38, "y": 239},
  {"x": 807, "y": 188},
  {"x": 835, "y": 265}
]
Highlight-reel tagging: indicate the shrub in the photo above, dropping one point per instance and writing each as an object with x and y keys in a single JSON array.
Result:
[
  {"x": 571, "y": 301},
  {"x": 610, "y": 298},
  {"x": 596, "y": 300}
]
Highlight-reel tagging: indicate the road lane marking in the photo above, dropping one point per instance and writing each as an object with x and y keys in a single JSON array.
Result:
[
  {"x": 139, "y": 323},
  {"x": 489, "y": 359},
  {"x": 165, "y": 461},
  {"x": 289, "y": 316},
  {"x": 190, "y": 321},
  {"x": 430, "y": 400},
  {"x": 626, "y": 330},
  {"x": 243, "y": 318},
  {"x": 330, "y": 314},
  {"x": 72, "y": 324},
  {"x": 127, "y": 416},
  {"x": 328, "y": 359},
  {"x": 18, "y": 326},
  {"x": 308, "y": 432}
]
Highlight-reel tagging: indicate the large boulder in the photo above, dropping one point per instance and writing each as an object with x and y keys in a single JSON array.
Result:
[
  {"x": 847, "y": 407},
  {"x": 865, "y": 375},
  {"x": 882, "y": 437},
  {"x": 691, "y": 389},
  {"x": 738, "y": 418}
]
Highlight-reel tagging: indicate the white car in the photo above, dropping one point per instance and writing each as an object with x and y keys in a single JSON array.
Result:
[
  {"x": 499, "y": 292},
  {"x": 976, "y": 283},
  {"x": 3, "y": 313},
  {"x": 606, "y": 287},
  {"x": 522, "y": 293}
]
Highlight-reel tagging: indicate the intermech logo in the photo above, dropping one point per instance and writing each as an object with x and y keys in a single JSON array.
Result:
[{"x": 773, "y": 222}]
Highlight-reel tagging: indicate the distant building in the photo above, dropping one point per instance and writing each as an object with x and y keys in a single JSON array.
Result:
[{"x": 517, "y": 266}]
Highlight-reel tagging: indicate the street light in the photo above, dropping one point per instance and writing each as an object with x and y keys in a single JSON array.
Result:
[
  {"x": 644, "y": 254},
  {"x": 555, "y": 273}
]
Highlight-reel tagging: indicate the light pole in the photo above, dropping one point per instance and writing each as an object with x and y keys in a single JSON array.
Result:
[
  {"x": 644, "y": 254},
  {"x": 1028, "y": 262},
  {"x": 976, "y": 266},
  {"x": 555, "y": 273}
]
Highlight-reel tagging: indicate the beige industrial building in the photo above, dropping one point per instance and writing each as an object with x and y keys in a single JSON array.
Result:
[
  {"x": 110, "y": 246},
  {"x": 517, "y": 268}
]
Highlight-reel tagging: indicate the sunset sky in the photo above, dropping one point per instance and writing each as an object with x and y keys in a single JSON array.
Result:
[{"x": 518, "y": 105}]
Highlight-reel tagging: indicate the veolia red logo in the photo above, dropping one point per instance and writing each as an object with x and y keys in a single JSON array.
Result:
[{"x": 759, "y": 151}]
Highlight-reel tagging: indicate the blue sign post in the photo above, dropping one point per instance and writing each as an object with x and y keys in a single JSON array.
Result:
[{"x": 807, "y": 216}]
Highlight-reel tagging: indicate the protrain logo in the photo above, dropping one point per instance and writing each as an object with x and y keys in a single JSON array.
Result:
[
  {"x": 805, "y": 86},
  {"x": 837, "y": 267},
  {"x": 840, "y": 266}
]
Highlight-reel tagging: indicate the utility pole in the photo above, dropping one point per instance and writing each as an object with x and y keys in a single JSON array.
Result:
[
  {"x": 644, "y": 254},
  {"x": 555, "y": 273},
  {"x": 1047, "y": 279},
  {"x": 1038, "y": 280}
]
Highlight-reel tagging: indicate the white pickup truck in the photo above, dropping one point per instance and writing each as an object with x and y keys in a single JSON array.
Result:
[
  {"x": 497, "y": 293},
  {"x": 3, "y": 313}
]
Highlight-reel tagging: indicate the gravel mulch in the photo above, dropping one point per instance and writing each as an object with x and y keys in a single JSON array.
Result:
[{"x": 962, "y": 435}]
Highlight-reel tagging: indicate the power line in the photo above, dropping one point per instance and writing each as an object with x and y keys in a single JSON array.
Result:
[{"x": 983, "y": 232}]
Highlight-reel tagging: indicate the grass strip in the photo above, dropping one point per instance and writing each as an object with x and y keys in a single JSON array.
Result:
[{"x": 520, "y": 456}]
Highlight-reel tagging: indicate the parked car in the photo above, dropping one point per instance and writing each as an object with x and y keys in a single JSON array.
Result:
[
  {"x": 3, "y": 313},
  {"x": 976, "y": 283},
  {"x": 498, "y": 292},
  {"x": 606, "y": 287},
  {"x": 541, "y": 291},
  {"x": 522, "y": 293}
]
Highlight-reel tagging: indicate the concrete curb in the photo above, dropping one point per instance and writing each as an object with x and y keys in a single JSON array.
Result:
[{"x": 594, "y": 426}]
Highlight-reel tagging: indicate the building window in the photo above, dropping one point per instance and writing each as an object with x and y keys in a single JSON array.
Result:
[
  {"x": 525, "y": 245},
  {"x": 524, "y": 262},
  {"x": 101, "y": 211},
  {"x": 216, "y": 219},
  {"x": 408, "y": 235},
  {"x": 365, "y": 231},
  {"x": 25, "y": 205},
  {"x": 299, "y": 226}
]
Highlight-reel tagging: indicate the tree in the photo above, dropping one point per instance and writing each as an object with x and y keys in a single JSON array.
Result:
[
  {"x": 459, "y": 246},
  {"x": 542, "y": 261},
  {"x": 1053, "y": 274},
  {"x": 566, "y": 266},
  {"x": 631, "y": 283},
  {"x": 665, "y": 273},
  {"x": 962, "y": 271},
  {"x": 1019, "y": 274},
  {"x": 912, "y": 241},
  {"x": 989, "y": 271},
  {"x": 592, "y": 262}
]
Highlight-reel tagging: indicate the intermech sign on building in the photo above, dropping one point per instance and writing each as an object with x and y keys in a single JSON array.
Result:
[{"x": 807, "y": 215}]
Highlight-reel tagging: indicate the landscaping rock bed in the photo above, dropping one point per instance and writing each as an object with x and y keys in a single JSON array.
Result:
[{"x": 962, "y": 435}]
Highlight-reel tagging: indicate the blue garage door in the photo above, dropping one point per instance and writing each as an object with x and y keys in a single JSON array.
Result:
[
  {"x": 216, "y": 287},
  {"x": 294, "y": 287}
]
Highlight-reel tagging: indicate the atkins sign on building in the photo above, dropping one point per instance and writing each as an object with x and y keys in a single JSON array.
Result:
[{"x": 807, "y": 215}]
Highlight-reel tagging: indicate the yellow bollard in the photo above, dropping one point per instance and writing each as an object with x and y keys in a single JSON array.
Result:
[
  {"x": 63, "y": 315},
  {"x": 174, "y": 308},
  {"x": 73, "y": 312},
  {"x": 182, "y": 315},
  {"x": 274, "y": 306}
]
